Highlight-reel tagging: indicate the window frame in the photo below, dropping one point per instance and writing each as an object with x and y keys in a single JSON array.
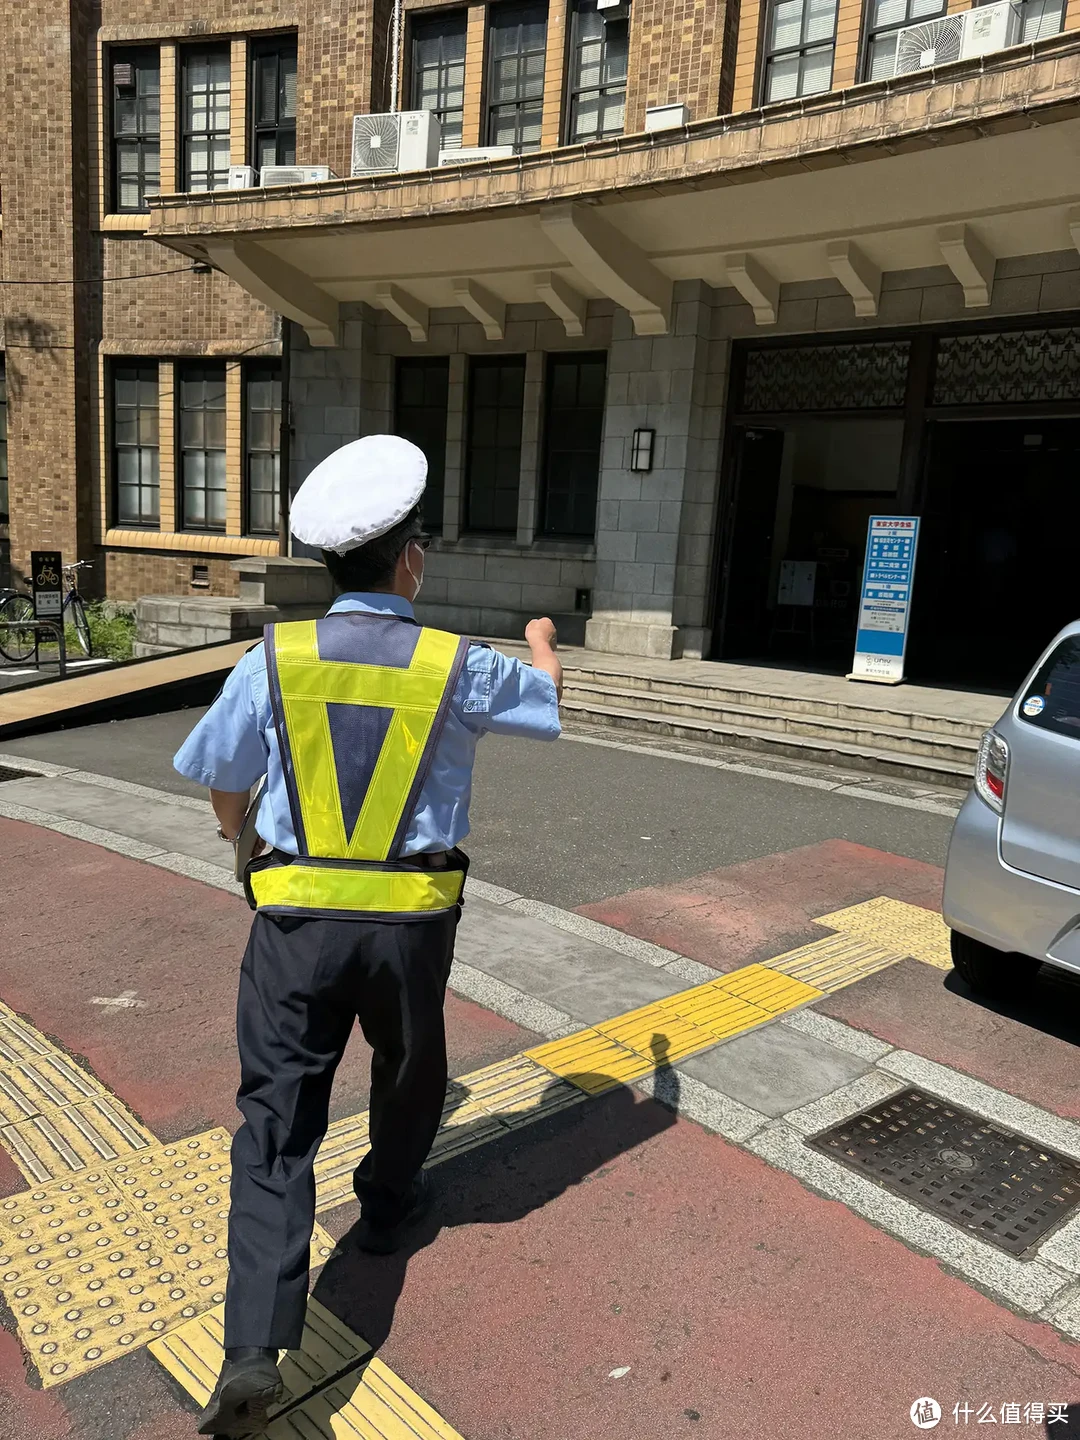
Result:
[
  {"x": 574, "y": 92},
  {"x": 802, "y": 49},
  {"x": 189, "y": 53},
  {"x": 186, "y": 371},
  {"x": 418, "y": 23},
  {"x": 476, "y": 364},
  {"x": 494, "y": 108},
  {"x": 259, "y": 50},
  {"x": 870, "y": 34},
  {"x": 428, "y": 364},
  {"x": 564, "y": 357},
  {"x": 146, "y": 142},
  {"x": 147, "y": 368},
  {"x": 271, "y": 369}
]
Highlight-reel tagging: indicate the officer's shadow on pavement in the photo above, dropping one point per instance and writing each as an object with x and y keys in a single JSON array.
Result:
[{"x": 502, "y": 1181}]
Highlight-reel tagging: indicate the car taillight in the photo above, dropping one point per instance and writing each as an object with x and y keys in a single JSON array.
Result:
[{"x": 992, "y": 770}]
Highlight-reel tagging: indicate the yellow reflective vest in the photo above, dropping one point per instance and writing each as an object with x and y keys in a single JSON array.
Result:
[{"x": 359, "y": 702}]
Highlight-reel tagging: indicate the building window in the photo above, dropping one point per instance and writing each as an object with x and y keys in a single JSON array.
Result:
[
  {"x": 3, "y": 444},
  {"x": 493, "y": 459},
  {"x": 273, "y": 102},
  {"x": 517, "y": 50},
  {"x": 1039, "y": 18},
  {"x": 136, "y": 128},
  {"x": 207, "y": 81},
  {"x": 598, "y": 50},
  {"x": 438, "y": 72},
  {"x": 573, "y": 428},
  {"x": 202, "y": 446},
  {"x": 420, "y": 396},
  {"x": 885, "y": 18},
  {"x": 262, "y": 446},
  {"x": 799, "y": 43},
  {"x": 135, "y": 444}
]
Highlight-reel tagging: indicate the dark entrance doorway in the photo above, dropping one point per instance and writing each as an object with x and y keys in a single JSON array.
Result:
[
  {"x": 997, "y": 572},
  {"x": 802, "y": 493}
]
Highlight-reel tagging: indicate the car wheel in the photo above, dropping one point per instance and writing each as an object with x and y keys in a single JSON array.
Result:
[{"x": 997, "y": 973}]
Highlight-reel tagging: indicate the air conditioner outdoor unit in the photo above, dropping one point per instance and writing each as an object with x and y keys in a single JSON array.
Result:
[
  {"x": 956, "y": 37},
  {"x": 666, "y": 117},
  {"x": 295, "y": 174},
  {"x": 242, "y": 177},
  {"x": 935, "y": 42},
  {"x": 387, "y": 144},
  {"x": 990, "y": 28},
  {"x": 469, "y": 153}
]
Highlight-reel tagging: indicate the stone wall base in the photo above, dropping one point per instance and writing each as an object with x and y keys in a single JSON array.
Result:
[{"x": 630, "y": 637}]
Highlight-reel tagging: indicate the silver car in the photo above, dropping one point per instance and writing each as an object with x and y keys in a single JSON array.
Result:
[{"x": 1012, "y": 878}]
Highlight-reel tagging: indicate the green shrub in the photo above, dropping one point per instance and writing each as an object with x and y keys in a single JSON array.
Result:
[{"x": 111, "y": 636}]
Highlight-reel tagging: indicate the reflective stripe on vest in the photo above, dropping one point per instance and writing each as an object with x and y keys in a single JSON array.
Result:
[
  {"x": 359, "y": 703},
  {"x": 331, "y": 890}
]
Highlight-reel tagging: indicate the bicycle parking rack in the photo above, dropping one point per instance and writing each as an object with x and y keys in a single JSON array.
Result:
[{"x": 56, "y": 626}]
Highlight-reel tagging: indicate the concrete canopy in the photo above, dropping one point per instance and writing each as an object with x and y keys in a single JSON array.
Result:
[{"x": 960, "y": 166}]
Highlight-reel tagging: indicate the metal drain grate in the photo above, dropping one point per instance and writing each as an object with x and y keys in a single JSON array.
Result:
[{"x": 1005, "y": 1189}]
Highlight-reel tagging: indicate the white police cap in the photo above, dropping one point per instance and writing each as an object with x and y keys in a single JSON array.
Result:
[{"x": 359, "y": 493}]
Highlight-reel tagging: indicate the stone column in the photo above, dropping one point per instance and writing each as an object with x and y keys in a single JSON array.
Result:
[{"x": 648, "y": 540}]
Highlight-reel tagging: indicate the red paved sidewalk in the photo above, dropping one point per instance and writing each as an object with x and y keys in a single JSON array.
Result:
[
  {"x": 115, "y": 925},
  {"x": 730, "y": 917}
]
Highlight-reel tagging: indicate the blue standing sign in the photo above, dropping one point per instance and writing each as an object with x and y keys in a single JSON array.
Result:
[{"x": 885, "y": 605}]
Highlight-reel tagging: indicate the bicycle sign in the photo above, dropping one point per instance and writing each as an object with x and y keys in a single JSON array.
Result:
[{"x": 46, "y": 567}]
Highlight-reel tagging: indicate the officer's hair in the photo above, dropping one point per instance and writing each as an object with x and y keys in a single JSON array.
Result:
[{"x": 372, "y": 566}]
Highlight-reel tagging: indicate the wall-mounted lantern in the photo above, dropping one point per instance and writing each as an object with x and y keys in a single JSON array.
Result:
[{"x": 642, "y": 450}]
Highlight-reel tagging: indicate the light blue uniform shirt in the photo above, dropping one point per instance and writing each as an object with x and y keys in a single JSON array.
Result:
[{"x": 236, "y": 743}]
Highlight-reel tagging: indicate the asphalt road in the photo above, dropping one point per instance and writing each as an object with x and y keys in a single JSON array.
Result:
[{"x": 573, "y": 822}]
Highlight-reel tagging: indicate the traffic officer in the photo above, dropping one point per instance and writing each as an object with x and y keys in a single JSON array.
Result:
[{"x": 365, "y": 724}]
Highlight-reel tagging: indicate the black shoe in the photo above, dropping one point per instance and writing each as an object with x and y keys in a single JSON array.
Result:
[
  {"x": 248, "y": 1385},
  {"x": 385, "y": 1239}
]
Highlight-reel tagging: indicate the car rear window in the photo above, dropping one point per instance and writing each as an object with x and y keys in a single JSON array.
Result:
[{"x": 1052, "y": 700}]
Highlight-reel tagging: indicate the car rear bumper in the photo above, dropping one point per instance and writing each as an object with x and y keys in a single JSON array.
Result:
[{"x": 1006, "y": 908}]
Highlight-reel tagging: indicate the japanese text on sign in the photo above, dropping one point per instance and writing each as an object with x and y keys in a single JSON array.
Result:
[{"x": 885, "y": 605}]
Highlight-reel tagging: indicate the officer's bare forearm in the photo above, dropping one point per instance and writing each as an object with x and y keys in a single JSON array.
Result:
[
  {"x": 541, "y": 638},
  {"x": 230, "y": 807}
]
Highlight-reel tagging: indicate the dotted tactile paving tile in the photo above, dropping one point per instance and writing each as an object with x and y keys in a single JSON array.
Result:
[
  {"x": 897, "y": 926},
  {"x": 100, "y": 1264},
  {"x": 55, "y": 1117}
]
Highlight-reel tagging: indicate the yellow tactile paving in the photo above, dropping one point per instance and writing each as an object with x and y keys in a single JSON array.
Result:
[
  {"x": 635, "y": 1044},
  {"x": 479, "y": 1107},
  {"x": 55, "y": 1117},
  {"x": 834, "y": 963},
  {"x": 95, "y": 1265},
  {"x": 193, "y": 1352},
  {"x": 897, "y": 926},
  {"x": 330, "y": 1392},
  {"x": 368, "y": 1404}
]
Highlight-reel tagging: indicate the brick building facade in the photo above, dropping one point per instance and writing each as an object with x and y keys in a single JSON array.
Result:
[{"x": 652, "y": 367}]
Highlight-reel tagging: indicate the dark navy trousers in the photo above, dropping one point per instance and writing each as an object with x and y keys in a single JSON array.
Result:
[{"x": 303, "y": 984}]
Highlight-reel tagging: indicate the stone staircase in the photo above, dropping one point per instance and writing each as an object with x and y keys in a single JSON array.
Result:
[{"x": 910, "y": 732}]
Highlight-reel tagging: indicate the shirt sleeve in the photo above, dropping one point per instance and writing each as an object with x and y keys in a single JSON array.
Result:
[
  {"x": 503, "y": 696},
  {"x": 227, "y": 750}
]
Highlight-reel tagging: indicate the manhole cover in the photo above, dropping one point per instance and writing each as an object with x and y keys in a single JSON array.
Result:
[{"x": 1007, "y": 1190}]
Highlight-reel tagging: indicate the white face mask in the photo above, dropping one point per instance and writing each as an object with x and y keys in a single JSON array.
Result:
[{"x": 418, "y": 580}]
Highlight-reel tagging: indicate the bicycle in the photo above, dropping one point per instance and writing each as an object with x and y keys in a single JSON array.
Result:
[{"x": 17, "y": 609}]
